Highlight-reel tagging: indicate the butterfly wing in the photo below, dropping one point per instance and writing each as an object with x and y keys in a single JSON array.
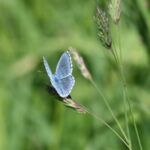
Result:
[
  {"x": 48, "y": 70},
  {"x": 64, "y": 86},
  {"x": 64, "y": 66}
]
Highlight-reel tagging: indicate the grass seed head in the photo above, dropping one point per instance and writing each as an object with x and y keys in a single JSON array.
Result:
[
  {"x": 74, "y": 105},
  {"x": 115, "y": 10},
  {"x": 102, "y": 21},
  {"x": 80, "y": 63}
]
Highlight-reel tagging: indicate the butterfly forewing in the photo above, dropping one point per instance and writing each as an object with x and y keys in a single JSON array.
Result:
[
  {"x": 64, "y": 86},
  {"x": 48, "y": 70},
  {"x": 64, "y": 66}
]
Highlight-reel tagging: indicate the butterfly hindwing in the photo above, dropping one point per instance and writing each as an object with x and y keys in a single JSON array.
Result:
[
  {"x": 64, "y": 66},
  {"x": 64, "y": 86}
]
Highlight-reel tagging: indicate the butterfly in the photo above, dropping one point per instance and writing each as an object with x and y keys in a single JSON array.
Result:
[{"x": 63, "y": 80}]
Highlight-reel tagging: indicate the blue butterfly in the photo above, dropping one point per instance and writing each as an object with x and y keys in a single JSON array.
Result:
[{"x": 62, "y": 80}]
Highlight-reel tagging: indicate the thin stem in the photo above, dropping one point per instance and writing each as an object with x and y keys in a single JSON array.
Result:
[
  {"x": 119, "y": 43},
  {"x": 124, "y": 92},
  {"x": 107, "y": 125},
  {"x": 121, "y": 70},
  {"x": 119, "y": 63},
  {"x": 110, "y": 110},
  {"x": 126, "y": 117},
  {"x": 134, "y": 122}
]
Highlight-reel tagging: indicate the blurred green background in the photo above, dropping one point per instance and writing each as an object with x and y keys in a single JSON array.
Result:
[{"x": 30, "y": 118}]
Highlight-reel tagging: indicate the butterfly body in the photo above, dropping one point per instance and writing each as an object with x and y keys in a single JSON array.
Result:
[{"x": 62, "y": 80}]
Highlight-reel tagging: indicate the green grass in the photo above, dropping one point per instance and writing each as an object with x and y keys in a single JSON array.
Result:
[{"x": 30, "y": 118}]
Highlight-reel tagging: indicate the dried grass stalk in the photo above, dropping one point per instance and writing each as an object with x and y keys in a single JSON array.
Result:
[
  {"x": 80, "y": 63},
  {"x": 74, "y": 105}
]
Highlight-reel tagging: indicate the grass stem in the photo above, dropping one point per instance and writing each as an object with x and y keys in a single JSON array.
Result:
[
  {"x": 126, "y": 98},
  {"x": 107, "y": 125},
  {"x": 109, "y": 108}
]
